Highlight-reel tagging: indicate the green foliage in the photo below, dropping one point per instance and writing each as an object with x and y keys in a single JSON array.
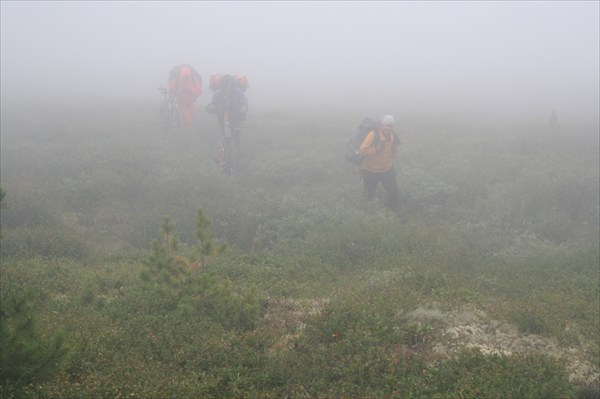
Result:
[
  {"x": 89, "y": 294},
  {"x": 205, "y": 238},
  {"x": 475, "y": 375},
  {"x": 45, "y": 241},
  {"x": 3, "y": 205},
  {"x": 2, "y": 195},
  {"x": 167, "y": 277},
  {"x": 319, "y": 291},
  {"x": 186, "y": 287},
  {"x": 25, "y": 355},
  {"x": 362, "y": 349}
]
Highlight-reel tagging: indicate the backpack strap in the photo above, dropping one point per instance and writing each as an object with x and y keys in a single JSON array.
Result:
[{"x": 376, "y": 136}]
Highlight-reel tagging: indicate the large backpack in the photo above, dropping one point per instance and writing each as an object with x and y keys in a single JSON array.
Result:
[
  {"x": 352, "y": 146},
  {"x": 174, "y": 73},
  {"x": 228, "y": 98},
  {"x": 217, "y": 80}
]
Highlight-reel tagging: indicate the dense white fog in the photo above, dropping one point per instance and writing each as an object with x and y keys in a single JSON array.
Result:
[{"x": 501, "y": 58}]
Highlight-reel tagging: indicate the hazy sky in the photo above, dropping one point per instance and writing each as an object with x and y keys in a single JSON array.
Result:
[{"x": 505, "y": 56}]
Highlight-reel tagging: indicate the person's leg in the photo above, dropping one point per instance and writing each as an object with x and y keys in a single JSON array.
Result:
[
  {"x": 237, "y": 145},
  {"x": 390, "y": 184},
  {"x": 370, "y": 180},
  {"x": 221, "y": 120}
]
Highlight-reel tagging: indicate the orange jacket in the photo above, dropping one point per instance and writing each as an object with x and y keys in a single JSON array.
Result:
[
  {"x": 376, "y": 159},
  {"x": 187, "y": 86}
]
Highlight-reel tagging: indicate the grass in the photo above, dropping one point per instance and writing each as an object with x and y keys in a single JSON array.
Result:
[{"x": 486, "y": 286}]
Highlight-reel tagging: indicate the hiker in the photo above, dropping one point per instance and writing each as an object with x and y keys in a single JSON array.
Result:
[
  {"x": 230, "y": 104},
  {"x": 553, "y": 126},
  {"x": 378, "y": 151},
  {"x": 186, "y": 85}
]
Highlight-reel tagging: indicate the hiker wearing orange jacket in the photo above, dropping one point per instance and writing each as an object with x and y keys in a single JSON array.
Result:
[
  {"x": 378, "y": 151},
  {"x": 185, "y": 84}
]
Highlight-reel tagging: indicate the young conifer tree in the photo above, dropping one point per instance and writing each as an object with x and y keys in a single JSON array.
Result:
[
  {"x": 25, "y": 354},
  {"x": 205, "y": 239},
  {"x": 162, "y": 270}
]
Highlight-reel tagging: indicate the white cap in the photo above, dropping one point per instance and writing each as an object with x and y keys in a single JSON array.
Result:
[{"x": 387, "y": 120}]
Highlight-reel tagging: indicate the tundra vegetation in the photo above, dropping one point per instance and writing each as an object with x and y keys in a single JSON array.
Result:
[{"x": 132, "y": 267}]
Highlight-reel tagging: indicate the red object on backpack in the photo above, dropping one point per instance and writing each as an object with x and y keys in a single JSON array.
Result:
[
  {"x": 215, "y": 81},
  {"x": 241, "y": 82}
]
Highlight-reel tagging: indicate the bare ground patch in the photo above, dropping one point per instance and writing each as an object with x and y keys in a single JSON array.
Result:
[
  {"x": 287, "y": 317},
  {"x": 472, "y": 328}
]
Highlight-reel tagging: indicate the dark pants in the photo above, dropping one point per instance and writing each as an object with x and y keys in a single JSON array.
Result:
[{"x": 389, "y": 183}]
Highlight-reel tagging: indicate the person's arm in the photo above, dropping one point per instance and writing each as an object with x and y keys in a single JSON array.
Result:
[{"x": 367, "y": 148}]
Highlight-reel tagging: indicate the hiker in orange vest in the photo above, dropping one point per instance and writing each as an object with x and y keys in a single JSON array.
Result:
[
  {"x": 186, "y": 85},
  {"x": 378, "y": 150}
]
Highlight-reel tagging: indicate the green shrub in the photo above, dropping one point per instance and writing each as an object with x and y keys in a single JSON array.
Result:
[
  {"x": 475, "y": 375},
  {"x": 489, "y": 221},
  {"x": 190, "y": 287},
  {"x": 25, "y": 355},
  {"x": 43, "y": 241}
]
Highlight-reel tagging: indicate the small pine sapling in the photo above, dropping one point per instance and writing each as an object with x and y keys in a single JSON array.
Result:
[{"x": 205, "y": 239}]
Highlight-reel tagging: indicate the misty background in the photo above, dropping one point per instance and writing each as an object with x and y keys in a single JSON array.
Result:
[
  {"x": 320, "y": 293},
  {"x": 507, "y": 59}
]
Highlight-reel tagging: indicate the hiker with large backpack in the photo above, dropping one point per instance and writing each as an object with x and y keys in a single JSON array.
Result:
[
  {"x": 185, "y": 84},
  {"x": 377, "y": 152},
  {"x": 230, "y": 104}
]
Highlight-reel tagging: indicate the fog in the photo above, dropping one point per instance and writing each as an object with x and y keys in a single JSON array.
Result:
[{"x": 507, "y": 59}]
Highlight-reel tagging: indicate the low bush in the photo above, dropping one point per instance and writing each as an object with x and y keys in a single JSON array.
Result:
[
  {"x": 43, "y": 241},
  {"x": 319, "y": 294},
  {"x": 190, "y": 287},
  {"x": 26, "y": 356}
]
